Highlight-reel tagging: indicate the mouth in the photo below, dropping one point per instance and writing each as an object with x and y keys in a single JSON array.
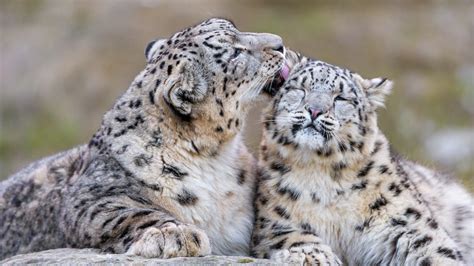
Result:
[
  {"x": 274, "y": 84},
  {"x": 319, "y": 130}
]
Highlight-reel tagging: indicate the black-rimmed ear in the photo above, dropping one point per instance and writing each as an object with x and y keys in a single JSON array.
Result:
[
  {"x": 376, "y": 89},
  {"x": 185, "y": 87},
  {"x": 154, "y": 46}
]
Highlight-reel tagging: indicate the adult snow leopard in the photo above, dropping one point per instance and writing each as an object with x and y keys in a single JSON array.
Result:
[{"x": 167, "y": 173}]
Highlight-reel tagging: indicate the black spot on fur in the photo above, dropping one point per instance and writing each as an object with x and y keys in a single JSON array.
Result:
[
  {"x": 147, "y": 224},
  {"x": 124, "y": 232},
  {"x": 142, "y": 160},
  {"x": 280, "y": 167},
  {"x": 224, "y": 84},
  {"x": 263, "y": 200},
  {"x": 396, "y": 189},
  {"x": 432, "y": 223},
  {"x": 398, "y": 222},
  {"x": 383, "y": 169},
  {"x": 186, "y": 198},
  {"x": 301, "y": 243},
  {"x": 365, "y": 170},
  {"x": 315, "y": 198},
  {"x": 447, "y": 252},
  {"x": 281, "y": 211},
  {"x": 241, "y": 177},
  {"x": 342, "y": 147},
  {"x": 364, "y": 225},
  {"x": 338, "y": 166},
  {"x": 106, "y": 222},
  {"x": 264, "y": 222},
  {"x": 279, "y": 229},
  {"x": 377, "y": 146},
  {"x": 119, "y": 222},
  {"x": 307, "y": 229},
  {"x": 120, "y": 119},
  {"x": 421, "y": 242},
  {"x": 279, "y": 244},
  {"x": 360, "y": 186},
  {"x": 140, "y": 214},
  {"x": 151, "y": 95},
  {"x": 295, "y": 128},
  {"x": 285, "y": 190},
  {"x": 425, "y": 262},
  {"x": 378, "y": 203},
  {"x": 413, "y": 212}
]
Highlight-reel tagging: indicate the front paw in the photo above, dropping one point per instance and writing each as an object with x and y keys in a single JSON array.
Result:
[
  {"x": 171, "y": 240},
  {"x": 308, "y": 254}
]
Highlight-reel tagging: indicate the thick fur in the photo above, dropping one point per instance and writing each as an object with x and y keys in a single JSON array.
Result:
[
  {"x": 167, "y": 173},
  {"x": 331, "y": 187}
]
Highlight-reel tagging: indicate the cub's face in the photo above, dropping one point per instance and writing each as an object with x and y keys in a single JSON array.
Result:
[
  {"x": 324, "y": 108},
  {"x": 213, "y": 68}
]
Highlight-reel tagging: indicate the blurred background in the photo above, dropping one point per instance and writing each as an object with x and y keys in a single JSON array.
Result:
[{"x": 63, "y": 63}]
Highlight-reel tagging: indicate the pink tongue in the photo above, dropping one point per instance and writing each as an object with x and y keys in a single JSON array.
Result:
[{"x": 284, "y": 72}]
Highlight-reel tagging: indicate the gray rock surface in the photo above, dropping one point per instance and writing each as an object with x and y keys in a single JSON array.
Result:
[{"x": 68, "y": 256}]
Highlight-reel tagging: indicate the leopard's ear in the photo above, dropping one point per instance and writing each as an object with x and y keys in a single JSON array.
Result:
[
  {"x": 292, "y": 58},
  {"x": 185, "y": 87},
  {"x": 154, "y": 46},
  {"x": 375, "y": 89}
]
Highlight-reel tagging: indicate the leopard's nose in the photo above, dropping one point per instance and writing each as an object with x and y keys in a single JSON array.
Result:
[
  {"x": 280, "y": 49},
  {"x": 314, "y": 112},
  {"x": 263, "y": 41}
]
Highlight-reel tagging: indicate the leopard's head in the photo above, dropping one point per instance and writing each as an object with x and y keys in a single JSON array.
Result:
[
  {"x": 324, "y": 110},
  {"x": 211, "y": 72}
]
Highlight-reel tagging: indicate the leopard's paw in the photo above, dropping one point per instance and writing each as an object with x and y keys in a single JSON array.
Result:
[
  {"x": 307, "y": 254},
  {"x": 172, "y": 240}
]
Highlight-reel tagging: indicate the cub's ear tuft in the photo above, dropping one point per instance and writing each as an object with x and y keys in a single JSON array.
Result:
[
  {"x": 376, "y": 89},
  {"x": 154, "y": 46}
]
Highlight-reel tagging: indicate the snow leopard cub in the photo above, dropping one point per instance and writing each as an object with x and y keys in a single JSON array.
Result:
[{"x": 331, "y": 187}]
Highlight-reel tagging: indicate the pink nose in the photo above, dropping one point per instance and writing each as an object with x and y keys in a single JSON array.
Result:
[{"x": 314, "y": 112}]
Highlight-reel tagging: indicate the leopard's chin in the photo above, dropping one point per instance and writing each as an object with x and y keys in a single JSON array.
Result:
[{"x": 274, "y": 84}]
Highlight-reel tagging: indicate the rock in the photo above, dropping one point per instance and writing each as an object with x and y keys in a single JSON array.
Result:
[
  {"x": 69, "y": 256},
  {"x": 453, "y": 147}
]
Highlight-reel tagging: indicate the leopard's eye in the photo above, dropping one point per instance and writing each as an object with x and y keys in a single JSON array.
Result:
[
  {"x": 237, "y": 51},
  {"x": 340, "y": 98},
  {"x": 293, "y": 98}
]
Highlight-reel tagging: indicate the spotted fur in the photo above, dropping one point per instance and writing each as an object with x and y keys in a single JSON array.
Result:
[
  {"x": 167, "y": 173},
  {"x": 344, "y": 192}
]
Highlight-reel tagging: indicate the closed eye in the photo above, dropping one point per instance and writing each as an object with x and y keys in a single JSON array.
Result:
[{"x": 340, "y": 98}]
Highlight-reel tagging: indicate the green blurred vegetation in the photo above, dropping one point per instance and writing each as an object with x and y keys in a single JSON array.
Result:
[{"x": 63, "y": 64}]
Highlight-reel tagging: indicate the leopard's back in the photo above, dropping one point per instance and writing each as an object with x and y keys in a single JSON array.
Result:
[
  {"x": 30, "y": 201},
  {"x": 449, "y": 202}
]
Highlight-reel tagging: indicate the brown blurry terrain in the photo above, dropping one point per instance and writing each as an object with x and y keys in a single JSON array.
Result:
[{"x": 63, "y": 63}]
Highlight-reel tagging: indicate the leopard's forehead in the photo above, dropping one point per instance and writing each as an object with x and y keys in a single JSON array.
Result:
[
  {"x": 321, "y": 76},
  {"x": 212, "y": 27},
  {"x": 213, "y": 33}
]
